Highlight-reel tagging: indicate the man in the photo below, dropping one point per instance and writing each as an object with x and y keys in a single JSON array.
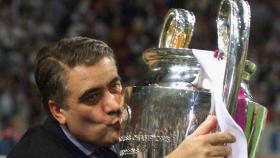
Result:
[{"x": 82, "y": 93}]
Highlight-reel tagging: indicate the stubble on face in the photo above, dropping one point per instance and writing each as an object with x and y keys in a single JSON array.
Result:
[{"x": 93, "y": 91}]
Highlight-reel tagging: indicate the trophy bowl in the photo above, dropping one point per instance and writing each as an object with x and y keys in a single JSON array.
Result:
[
  {"x": 159, "y": 119},
  {"x": 164, "y": 108}
]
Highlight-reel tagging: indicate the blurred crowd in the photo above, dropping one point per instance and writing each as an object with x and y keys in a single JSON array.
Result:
[{"x": 129, "y": 27}]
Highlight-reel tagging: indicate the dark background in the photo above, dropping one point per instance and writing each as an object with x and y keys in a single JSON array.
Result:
[{"x": 129, "y": 27}]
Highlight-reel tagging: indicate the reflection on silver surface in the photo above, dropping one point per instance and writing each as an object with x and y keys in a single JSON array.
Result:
[
  {"x": 171, "y": 67},
  {"x": 165, "y": 107},
  {"x": 177, "y": 29},
  {"x": 160, "y": 119},
  {"x": 233, "y": 25}
]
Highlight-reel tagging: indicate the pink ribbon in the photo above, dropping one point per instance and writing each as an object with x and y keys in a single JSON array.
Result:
[{"x": 240, "y": 116}]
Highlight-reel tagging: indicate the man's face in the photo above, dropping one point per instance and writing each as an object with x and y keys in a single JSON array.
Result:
[{"x": 94, "y": 103}]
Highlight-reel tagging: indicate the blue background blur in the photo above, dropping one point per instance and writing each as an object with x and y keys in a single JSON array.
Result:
[{"x": 129, "y": 27}]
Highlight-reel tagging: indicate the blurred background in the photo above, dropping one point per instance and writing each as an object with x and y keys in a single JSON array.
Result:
[{"x": 129, "y": 27}]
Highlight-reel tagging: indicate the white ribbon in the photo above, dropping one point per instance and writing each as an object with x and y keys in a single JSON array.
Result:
[{"x": 211, "y": 76}]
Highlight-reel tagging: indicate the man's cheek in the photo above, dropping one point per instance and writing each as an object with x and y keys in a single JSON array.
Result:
[
  {"x": 94, "y": 119},
  {"x": 121, "y": 100}
]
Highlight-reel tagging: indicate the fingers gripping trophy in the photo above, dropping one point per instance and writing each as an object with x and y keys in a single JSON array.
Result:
[{"x": 169, "y": 104}]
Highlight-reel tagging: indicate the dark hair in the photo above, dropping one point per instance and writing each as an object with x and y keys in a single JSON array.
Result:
[{"x": 53, "y": 63}]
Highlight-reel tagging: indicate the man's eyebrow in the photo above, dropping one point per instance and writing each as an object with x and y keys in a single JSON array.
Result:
[{"x": 96, "y": 89}]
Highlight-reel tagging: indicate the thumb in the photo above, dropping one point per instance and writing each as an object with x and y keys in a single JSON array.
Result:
[{"x": 206, "y": 127}]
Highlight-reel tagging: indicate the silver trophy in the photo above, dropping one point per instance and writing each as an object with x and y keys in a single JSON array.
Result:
[{"x": 165, "y": 107}]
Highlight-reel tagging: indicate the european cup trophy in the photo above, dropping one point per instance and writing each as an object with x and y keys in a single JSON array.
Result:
[{"x": 166, "y": 106}]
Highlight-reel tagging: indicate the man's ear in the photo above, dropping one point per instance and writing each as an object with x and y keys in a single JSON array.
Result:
[{"x": 57, "y": 112}]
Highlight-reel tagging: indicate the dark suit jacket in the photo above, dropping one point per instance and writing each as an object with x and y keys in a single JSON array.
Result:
[{"x": 49, "y": 141}]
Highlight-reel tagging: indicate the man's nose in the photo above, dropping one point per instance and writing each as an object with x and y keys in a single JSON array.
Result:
[{"x": 112, "y": 103}]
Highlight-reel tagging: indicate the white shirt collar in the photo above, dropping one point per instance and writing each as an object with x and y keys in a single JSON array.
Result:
[
  {"x": 82, "y": 147},
  {"x": 85, "y": 148}
]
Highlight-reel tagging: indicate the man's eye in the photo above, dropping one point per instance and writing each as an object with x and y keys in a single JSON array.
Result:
[
  {"x": 116, "y": 87},
  {"x": 93, "y": 98}
]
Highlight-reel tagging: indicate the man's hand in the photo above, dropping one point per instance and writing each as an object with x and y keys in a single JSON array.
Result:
[{"x": 204, "y": 144}]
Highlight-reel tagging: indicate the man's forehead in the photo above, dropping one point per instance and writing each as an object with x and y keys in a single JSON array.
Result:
[
  {"x": 99, "y": 74},
  {"x": 102, "y": 65}
]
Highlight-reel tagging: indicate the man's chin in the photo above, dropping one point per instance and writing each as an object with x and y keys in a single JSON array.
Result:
[
  {"x": 111, "y": 140},
  {"x": 110, "y": 143},
  {"x": 115, "y": 139}
]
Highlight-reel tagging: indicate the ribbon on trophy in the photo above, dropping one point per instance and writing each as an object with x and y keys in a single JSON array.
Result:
[
  {"x": 222, "y": 72},
  {"x": 233, "y": 26},
  {"x": 214, "y": 70},
  {"x": 247, "y": 118},
  {"x": 254, "y": 122}
]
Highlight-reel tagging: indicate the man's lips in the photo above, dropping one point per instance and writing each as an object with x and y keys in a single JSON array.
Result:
[{"x": 115, "y": 123}]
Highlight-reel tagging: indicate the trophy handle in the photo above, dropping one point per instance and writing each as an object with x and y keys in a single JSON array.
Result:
[
  {"x": 177, "y": 29},
  {"x": 233, "y": 26}
]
